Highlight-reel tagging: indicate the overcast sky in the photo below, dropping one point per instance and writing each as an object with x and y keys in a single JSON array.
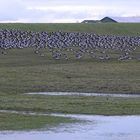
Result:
[{"x": 65, "y": 10}]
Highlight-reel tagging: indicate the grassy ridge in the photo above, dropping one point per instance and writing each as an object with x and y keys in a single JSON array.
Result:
[{"x": 102, "y": 28}]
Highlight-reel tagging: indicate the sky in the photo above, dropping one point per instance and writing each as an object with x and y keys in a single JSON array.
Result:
[{"x": 63, "y": 11}]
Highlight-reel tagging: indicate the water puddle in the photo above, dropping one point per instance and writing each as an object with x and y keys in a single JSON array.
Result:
[
  {"x": 95, "y": 127},
  {"x": 84, "y": 94}
]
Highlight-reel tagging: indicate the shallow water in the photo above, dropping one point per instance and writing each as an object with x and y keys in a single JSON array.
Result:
[
  {"x": 84, "y": 94},
  {"x": 94, "y": 128}
]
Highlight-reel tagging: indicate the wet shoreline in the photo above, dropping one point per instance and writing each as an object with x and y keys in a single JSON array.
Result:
[{"x": 96, "y": 127}]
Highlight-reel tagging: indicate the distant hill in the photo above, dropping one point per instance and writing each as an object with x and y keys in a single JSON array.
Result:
[
  {"x": 134, "y": 19},
  {"x": 104, "y": 20},
  {"x": 108, "y": 19}
]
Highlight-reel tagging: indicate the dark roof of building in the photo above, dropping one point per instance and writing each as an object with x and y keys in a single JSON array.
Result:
[{"x": 104, "y": 20}]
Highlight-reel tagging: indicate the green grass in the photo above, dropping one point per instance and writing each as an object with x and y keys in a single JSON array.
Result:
[
  {"x": 10, "y": 121},
  {"x": 23, "y": 71},
  {"x": 102, "y": 28},
  {"x": 71, "y": 104}
]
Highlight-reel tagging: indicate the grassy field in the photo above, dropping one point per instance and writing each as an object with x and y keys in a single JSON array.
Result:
[
  {"x": 102, "y": 28},
  {"x": 23, "y": 71}
]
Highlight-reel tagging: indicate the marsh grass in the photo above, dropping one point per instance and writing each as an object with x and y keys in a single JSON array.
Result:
[
  {"x": 11, "y": 121},
  {"x": 22, "y": 71},
  {"x": 71, "y": 104}
]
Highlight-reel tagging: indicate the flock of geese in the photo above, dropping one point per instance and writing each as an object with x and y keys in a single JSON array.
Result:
[{"x": 62, "y": 44}]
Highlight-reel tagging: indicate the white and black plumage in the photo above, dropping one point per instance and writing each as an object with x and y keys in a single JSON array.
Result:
[{"x": 76, "y": 42}]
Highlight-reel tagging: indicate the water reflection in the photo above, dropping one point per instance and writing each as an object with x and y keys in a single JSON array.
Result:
[
  {"x": 84, "y": 94},
  {"x": 94, "y": 128}
]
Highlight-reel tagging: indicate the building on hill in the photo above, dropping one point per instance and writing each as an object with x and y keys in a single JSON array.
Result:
[
  {"x": 108, "y": 19},
  {"x": 104, "y": 20}
]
